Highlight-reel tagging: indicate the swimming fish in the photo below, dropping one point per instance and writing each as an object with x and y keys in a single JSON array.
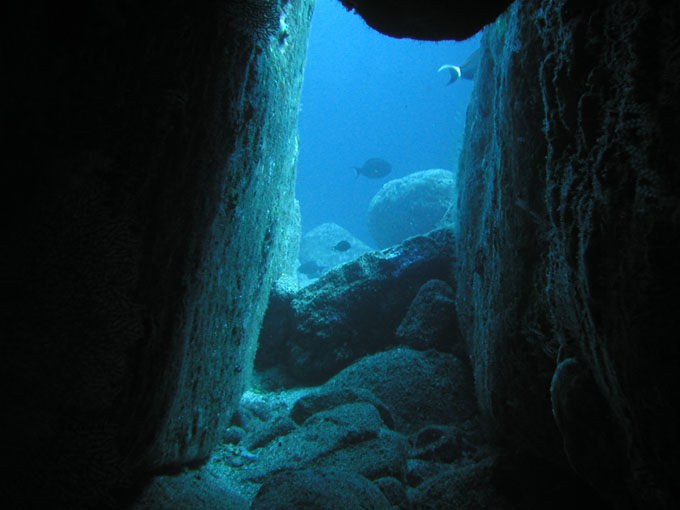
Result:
[
  {"x": 374, "y": 168},
  {"x": 466, "y": 70},
  {"x": 342, "y": 246},
  {"x": 311, "y": 269}
]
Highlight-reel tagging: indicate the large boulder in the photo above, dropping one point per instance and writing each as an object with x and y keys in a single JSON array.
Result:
[
  {"x": 325, "y": 247},
  {"x": 356, "y": 308},
  {"x": 418, "y": 387},
  {"x": 319, "y": 488},
  {"x": 410, "y": 206},
  {"x": 431, "y": 321}
]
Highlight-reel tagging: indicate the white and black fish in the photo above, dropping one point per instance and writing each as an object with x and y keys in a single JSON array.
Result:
[{"x": 466, "y": 70}]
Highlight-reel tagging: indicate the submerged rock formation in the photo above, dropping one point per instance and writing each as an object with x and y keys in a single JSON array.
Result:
[
  {"x": 398, "y": 420},
  {"x": 568, "y": 239},
  {"x": 355, "y": 309},
  {"x": 431, "y": 321},
  {"x": 409, "y": 206},
  {"x": 153, "y": 150},
  {"x": 324, "y": 247}
]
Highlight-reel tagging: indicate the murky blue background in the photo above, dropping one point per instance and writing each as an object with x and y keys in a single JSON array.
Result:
[{"x": 367, "y": 95}]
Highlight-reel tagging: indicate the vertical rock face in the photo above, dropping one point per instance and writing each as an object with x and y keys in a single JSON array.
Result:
[
  {"x": 502, "y": 236},
  {"x": 153, "y": 155},
  {"x": 569, "y": 200}
]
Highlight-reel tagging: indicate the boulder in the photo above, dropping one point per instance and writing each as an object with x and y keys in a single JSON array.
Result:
[
  {"x": 419, "y": 388},
  {"x": 383, "y": 456},
  {"x": 327, "y": 398},
  {"x": 186, "y": 491},
  {"x": 445, "y": 444},
  {"x": 466, "y": 488},
  {"x": 431, "y": 321},
  {"x": 325, "y": 433},
  {"x": 319, "y": 489},
  {"x": 325, "y": 247},
  {"x": 394, "y": 491},
  {"x": 356, "y": 308},
  {"x": 410, "y": 206}
]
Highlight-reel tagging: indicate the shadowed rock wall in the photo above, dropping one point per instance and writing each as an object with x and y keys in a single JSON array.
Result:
[
  {"x": 153, "y": 151},
  {"x": 568, "y": 241}
]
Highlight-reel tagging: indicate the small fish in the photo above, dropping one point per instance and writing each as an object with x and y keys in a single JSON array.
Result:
[
  {"x": 342, "y": 246},
  {"x": 374, "y": 168},
  {"x": 311, "y": 269},
  {"x": 466, "y": 70}
]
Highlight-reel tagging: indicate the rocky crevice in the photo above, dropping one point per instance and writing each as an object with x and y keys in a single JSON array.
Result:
[{"x": 568, "y": 200}]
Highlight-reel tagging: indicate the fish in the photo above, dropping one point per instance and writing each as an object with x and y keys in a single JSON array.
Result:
[
  {"x": 374, "y": 168},
  {"x": 311, "y": 269},
  {"x": 342, "y": 246},
  {"x": 466, "y": 70}
]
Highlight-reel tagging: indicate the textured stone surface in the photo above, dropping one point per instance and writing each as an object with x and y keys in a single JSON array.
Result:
[
  {"x": 419, "y": 388},
  {"x": 187, "y": 492},
  {"x": 466, "y": 488},
  {"x": 355, "y": 309},
  {"x": 277, "y": 322},
  {"x": 153, "y": 150},
  {"x": 327, "y": 398},
  {"x": 394, "y": 491},
  {"x": 569, "y": 193},
  {"x": 382, "y": 456},
  {"x": 319, "y": 244},
  {"x": 409, "y": 206},
  {"x": 501, "y": 215},
  {"x": 431, "y": 321},
  {"x": 319, "y": 488},
  {"x": 324, "y": 434},
  {"x": 592, "y": 442}
]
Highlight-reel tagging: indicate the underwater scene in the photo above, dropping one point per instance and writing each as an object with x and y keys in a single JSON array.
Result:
[
  {"x": 362, "y": 395},
  {"x": 301, "y": 254},
  {"x": 362, "y": 392},
  {"x": 375, "y": 112}
]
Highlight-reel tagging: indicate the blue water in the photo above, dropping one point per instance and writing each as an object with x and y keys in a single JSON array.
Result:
[{"x": 367, "y": 95}]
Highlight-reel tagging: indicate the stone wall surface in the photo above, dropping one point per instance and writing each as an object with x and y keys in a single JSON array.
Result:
[
  {"x": 153, "y": 153},
  {"x": 568, "y": 240}
]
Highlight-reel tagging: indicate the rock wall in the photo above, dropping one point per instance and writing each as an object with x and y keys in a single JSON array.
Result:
[
  {"x": 152, "y": 154},
  {"x": 568, "y": 239}
]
